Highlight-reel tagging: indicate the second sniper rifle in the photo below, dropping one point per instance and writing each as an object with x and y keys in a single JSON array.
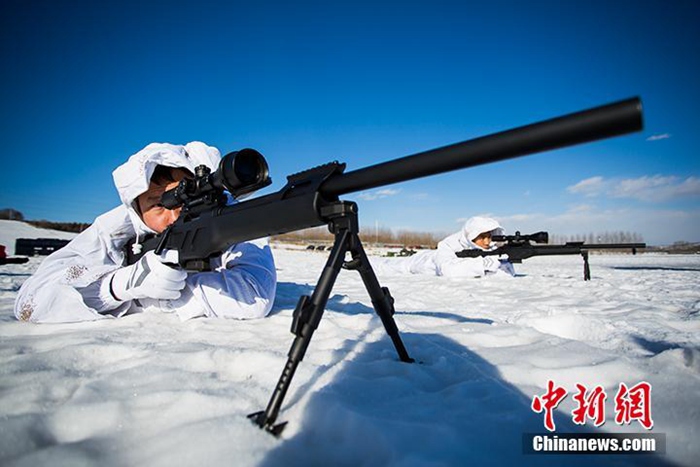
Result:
[
  {"x": 519, "y": 247},
  {"x": 207, "y": 226}
]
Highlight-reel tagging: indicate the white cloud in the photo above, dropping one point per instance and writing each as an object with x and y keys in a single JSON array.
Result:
[
  {"x": 422, "y": 196},
  {"x": 518, "y": 218},
  {"x": 581, "y": 208},
  {"x": 655, "y": 188},
  {"x": 589, "y": 187},
  {"x": 378, "y": 194},
  {"x": 659, "y": 137}
]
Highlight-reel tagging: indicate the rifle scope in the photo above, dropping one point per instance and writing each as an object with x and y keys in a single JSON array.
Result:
[
  {"x": 537, "y": 237},
  {"x": 239, "y": 172}
]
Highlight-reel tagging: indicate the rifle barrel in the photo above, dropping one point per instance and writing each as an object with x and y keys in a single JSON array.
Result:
[
  {"x": 610, "y": 246},
  {"x": 610, "y": 120}
]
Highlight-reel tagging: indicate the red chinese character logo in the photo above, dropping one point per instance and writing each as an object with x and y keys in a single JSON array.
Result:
[
  {"x": 591, "y": 406},
  {"x": 548, "y": 402},
  {"x": 634, "y": 404}
]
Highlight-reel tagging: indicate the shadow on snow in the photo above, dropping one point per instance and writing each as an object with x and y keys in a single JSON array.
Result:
[{"x": 452, "y": 407}]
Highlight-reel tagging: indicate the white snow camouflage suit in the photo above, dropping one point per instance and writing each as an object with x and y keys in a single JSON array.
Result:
[
  {"x": 72, "y": 284},
  {"x": 444, "y": 261}
]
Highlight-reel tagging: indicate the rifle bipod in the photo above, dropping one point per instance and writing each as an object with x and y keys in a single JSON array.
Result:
[
  {"x": 309, "y": 310},
  {"x": 586, "y": 266}
]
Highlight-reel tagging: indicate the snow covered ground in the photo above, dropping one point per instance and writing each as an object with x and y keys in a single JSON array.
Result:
[{"x": 149, "y": 390}]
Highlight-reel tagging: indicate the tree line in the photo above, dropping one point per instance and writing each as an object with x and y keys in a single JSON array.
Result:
[
  {"x": 601, "y": 237},
  {"x": 414, "y": 239},
  {"x": 376, "y": 236}
]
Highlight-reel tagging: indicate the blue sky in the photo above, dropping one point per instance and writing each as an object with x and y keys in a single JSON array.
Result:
[{"x": 86, "y": 84}]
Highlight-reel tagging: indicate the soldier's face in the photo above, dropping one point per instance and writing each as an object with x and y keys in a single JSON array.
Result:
[
  {"x": 153, "y": 214},
  {"x": 483, "y": 240}
]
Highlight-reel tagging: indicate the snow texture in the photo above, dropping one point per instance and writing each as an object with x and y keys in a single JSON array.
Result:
[{"x": 149, "y": 390}]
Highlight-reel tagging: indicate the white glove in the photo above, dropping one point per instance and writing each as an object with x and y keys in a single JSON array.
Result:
[
  {"x": 491, "y": 264},
  {"x": 148, "y": 278}
]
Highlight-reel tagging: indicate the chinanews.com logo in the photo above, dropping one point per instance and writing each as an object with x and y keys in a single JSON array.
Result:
[{"x": 632, "y": 404}]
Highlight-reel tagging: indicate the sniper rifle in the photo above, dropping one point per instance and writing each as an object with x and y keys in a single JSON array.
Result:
[
  {"x": 207, "y": 226},
  {"x": 519, "y": 247}
]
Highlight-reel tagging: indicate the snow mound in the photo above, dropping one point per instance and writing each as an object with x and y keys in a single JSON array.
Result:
[{"x": 12, "y": 230}]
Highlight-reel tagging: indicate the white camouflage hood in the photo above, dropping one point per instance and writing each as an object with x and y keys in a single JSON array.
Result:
[
  {"x": 476, "y": 226},
  {"x": 133, "y": 177}
]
